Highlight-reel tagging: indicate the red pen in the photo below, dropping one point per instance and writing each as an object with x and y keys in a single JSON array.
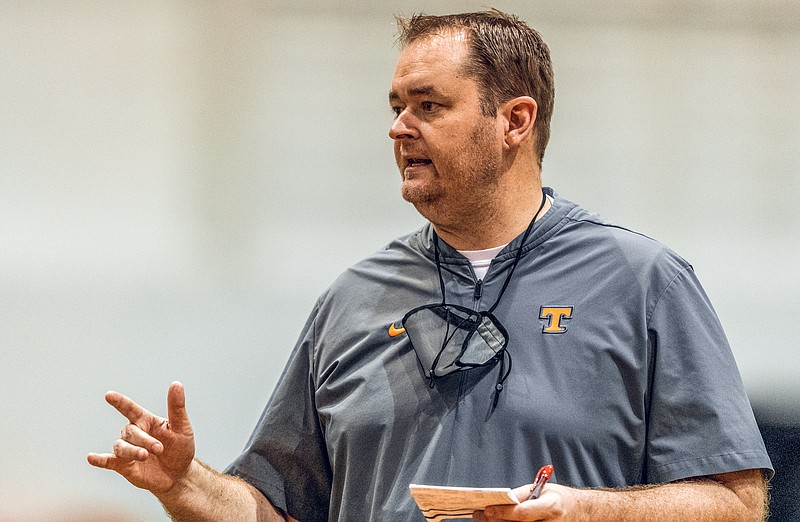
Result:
[{"x": 545, "y": 472}]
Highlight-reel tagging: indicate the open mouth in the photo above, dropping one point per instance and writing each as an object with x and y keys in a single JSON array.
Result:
[{"x": 417, "y": 162}]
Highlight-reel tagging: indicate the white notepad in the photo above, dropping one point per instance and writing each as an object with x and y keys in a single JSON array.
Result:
[{"x": 443, "y": 502}]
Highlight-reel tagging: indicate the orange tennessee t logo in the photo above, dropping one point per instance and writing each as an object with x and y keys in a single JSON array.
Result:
[
  {"x": 395, "y": 331},
  {"x": 555, "y": 315}
]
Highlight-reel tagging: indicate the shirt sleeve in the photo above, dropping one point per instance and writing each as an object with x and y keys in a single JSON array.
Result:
[
  {"x": 286, "y": 457},
  {"x": 700, "y": 419}
]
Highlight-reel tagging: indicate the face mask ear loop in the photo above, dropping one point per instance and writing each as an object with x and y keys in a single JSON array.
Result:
[
  {"x": 431, "y": 375},
  {"x": 445, "y": 341},
  {"x": 502, "y": 376},
  {"x": 438, "y": 264},
  {"x": 519, "y": 252}
]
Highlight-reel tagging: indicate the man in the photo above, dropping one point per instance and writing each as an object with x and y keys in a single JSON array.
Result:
[{"x": 621, "y": 376}]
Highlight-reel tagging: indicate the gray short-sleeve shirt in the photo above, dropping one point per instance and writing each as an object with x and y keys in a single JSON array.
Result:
[{"x": 621, "y": 375}]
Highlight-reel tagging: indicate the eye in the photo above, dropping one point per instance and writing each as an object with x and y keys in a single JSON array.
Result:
[
  {"x": 428, "y": 106},
  {"x": 396, "y": 111}
]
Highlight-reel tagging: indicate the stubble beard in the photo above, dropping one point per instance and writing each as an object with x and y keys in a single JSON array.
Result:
[{"x": 464, "y": 189}]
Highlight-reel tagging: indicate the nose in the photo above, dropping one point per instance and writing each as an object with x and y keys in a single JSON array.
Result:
[{"x": 403, "y": 127}]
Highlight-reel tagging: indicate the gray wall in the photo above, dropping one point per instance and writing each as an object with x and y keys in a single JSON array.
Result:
[{"x": 180, "y": 180}]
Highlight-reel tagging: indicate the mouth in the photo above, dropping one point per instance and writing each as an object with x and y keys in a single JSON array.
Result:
[
  {"x": 417, "y": 162},
  {"x": 415, "y": 166}
]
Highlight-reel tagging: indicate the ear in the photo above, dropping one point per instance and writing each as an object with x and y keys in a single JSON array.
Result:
[{"x": 519, "y": 115}]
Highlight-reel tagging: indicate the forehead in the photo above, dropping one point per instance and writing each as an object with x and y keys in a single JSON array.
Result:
[{"x": 436, "y": 60}]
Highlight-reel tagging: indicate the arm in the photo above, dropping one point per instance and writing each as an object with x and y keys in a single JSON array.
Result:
[
  {"x": 729, "y": 497},
  {"x": 208, "y": 495},
  {"x": 157, "y": 454}
]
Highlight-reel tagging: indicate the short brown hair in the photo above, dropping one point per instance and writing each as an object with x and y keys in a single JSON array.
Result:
[{"x": 507, "y": 59}]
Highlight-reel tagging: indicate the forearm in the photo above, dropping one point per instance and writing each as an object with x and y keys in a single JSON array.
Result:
[
  {"x": 707, "y": 500},
  {"x": 206, "y": 495},
  {"x": 728, "y": 497}
]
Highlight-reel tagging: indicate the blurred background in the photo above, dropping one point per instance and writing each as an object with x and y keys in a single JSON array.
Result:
[{"x": 180, "y": 180}]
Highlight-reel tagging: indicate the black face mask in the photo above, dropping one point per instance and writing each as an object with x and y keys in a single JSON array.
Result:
[{"x": 448, "y": 338}]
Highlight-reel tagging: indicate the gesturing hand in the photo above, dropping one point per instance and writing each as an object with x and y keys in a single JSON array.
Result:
[{"x": 152, "y": 453}]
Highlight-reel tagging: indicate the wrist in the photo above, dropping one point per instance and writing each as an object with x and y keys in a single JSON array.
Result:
[
  {"x": 576, "y": 504},
  {"x": 184, "y": 486}
]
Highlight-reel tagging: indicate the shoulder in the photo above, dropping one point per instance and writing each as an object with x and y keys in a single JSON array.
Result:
[
  {"x": 592, "y": 233},
  {"x": 588, "y": 243},
  {"x": 401, "y": 255},
  {"x": 402, "y": 264}
]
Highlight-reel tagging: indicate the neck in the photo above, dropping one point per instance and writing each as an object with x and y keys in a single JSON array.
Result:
[{"x": 502, "y": 219}]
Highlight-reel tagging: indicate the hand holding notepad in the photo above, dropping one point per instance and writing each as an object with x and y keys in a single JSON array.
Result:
[{"x": 443, "y": 502}]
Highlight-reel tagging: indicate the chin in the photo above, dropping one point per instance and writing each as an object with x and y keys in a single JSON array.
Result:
[
  {"x": 419, "y": 194},
  {"x": 429, "y": 205}
]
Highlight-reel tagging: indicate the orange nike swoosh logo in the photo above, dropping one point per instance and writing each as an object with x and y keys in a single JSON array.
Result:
[{"x": 395, "y": 331}]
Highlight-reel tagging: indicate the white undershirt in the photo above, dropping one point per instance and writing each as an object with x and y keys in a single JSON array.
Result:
[{"x": 481, "y": 259}]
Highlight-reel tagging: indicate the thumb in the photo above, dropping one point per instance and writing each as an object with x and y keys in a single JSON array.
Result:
[
  {"x": 522, "y": 492},
  {"x": 176, "y": 410}
]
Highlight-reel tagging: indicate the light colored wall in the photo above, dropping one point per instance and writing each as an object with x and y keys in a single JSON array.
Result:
[{"x": 180, "y": 180}]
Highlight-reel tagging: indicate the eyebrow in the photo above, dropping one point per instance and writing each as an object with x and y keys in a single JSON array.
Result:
[{"x": 423, "y": 90}]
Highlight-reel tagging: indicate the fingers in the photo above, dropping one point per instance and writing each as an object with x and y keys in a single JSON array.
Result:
[
  {"x": 100, "y": 460},
  {"x": 109, "y": 461},
  {"x": 479, "y": 516},
  {"x": 522, "y": 492},
  {"x": 146, "y": 434},
  {"x": 176, "y": 410},
  {"x": 176, "y": 407},
  {"x": 133, "y": 445},
  {"x": 133, "y": 434},
  {"x": 550, "y": 506},
  {"x": 129, "y": 409},
  {"x": 125, "y": 450}
]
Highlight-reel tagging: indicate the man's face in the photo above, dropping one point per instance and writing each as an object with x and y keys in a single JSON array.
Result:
[{"x": 449, "y": 154}]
